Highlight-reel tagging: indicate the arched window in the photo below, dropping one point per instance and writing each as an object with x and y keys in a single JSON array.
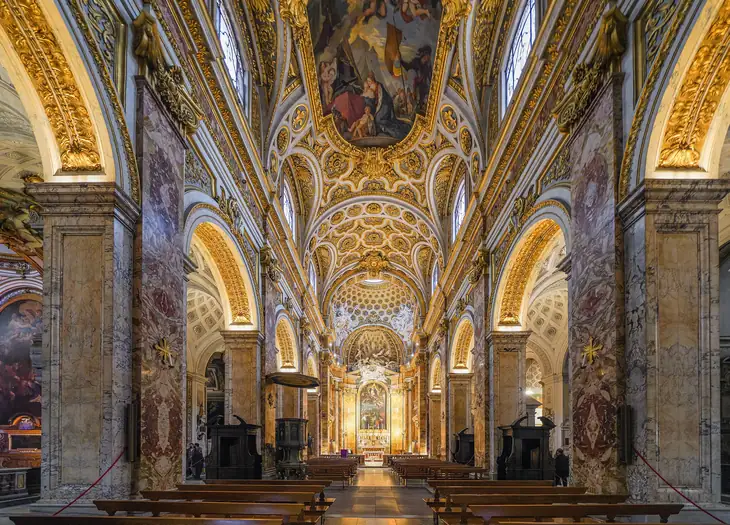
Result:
[
  {"x": 240, "y": 77},
  {"x": 435, "y": 277},
  {"x": 459, "y": 209},
  {"x": 287, "y": 204},
  {"x": 519, "y": 49},
  {"x": 313, "y": 277}
]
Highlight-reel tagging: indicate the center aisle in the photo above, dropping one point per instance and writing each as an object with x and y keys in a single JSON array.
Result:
[{"x": 376, "y": 499}]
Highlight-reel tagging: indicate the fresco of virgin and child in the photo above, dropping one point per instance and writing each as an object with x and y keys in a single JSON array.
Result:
[{"x": 374, "y": 64}]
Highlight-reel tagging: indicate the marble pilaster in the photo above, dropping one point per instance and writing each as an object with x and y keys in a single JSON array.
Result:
[
  {"x": 324, "y": 402},
  {"x": 672, "y": 336},
  {"x": 313, "y": 425},
  {"x": 459, "y": 404},
  {"x": 434, "y": 424},
  {"x": 480, "y": 385},
  {"x": 159, "y": 302},
  {"x": 595, "y": 293},
  {"x": 196, "y": 408},
  {"x": 422, "y": 363},
  {"x": 243, "y": 376},
  {"x": 87, "y": 338},
  {"x": 506, "y": 385}
]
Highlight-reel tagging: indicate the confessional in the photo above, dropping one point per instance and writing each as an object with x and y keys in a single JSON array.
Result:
[
  {"x": 464, "y": 452},
  {"x": 526, "y": 450},
  {"x": 233, "y": 453}
]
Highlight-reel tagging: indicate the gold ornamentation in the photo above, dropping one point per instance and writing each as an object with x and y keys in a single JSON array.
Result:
[
  {"x": 18, "y": 212},
  {"x": 110, "y": 33},
  {"x": 229, "y": 270},
  {"x": 374, "y": 263},
  {"x": 478, "y": 265},
  {"x": 590, "y": 351},
  {"x": 465, "y": 140},
  {"x": 165, "y": 352},
  {"x": 698, "y": 98},
  {"x": 484, "y": 23},
  {"x": 294, "y": 12},
  {"x": 454, "y": 12},
  {"x": 463, "y": 344},
  {"x": 300, "y": 119},
  {"x": 166, "y": 80},
  {"x": 51, "y": 75},
  {"x": 270, "y": 263},
  {"x": 589, "y": 77},
  {"x": 373, "y": 345},
  {"x": 448, "y": 119},
  {"x": 282, "y": 140},
  {"x": 285, "y": 344},
  {"x": 521, "y": 269},
  {"x": 643, "y": 103}
]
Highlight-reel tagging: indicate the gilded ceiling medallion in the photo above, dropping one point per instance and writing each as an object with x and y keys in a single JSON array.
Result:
[
  {"x": 300, "y": 119},
  {"x": 449, "y": 119}
]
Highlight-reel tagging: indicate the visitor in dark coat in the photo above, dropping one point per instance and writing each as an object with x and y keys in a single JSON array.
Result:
[{"x": 562, "y": 468}]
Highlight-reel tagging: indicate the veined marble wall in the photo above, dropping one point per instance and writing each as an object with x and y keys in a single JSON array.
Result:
[
  {"x": 435, "y": 424},
  {"x": 479, "y": 385},
  {"x": 596, "y": 302},
  {"x": 159, "y": 295},
  {"x": 673, "y": 344}
]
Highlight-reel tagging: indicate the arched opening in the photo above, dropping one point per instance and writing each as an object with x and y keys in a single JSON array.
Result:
[
  {"x": 435, "y": 400},
  {"x": 287, "y": 360},
  {"x": 461, "y": 391}
]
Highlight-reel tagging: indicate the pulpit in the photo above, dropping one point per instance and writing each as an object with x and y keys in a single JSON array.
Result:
[{"x": 233, "y": 452}]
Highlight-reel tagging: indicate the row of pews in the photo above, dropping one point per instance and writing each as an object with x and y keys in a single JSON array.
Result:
[
  {"x": 423, "y": 468},
  {"x": 481, "y": 501},
  {"x": 217, "y": 502},
  {"x": 332, "y": 469}
]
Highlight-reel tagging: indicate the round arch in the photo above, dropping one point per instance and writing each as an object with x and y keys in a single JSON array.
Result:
[
  {"x": 388, "y": 345},
  {"x": 513, "y": 281},
  {"x": 234, "y": 275},
  {"x": 436, "y": 374},
  {"x": 76, "y": 118},
  {"x": 287, "y": 352},
  {"x": 462, "y": 346}
]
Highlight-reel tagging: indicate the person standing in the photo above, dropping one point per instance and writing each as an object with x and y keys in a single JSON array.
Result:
[{"x": 562, "y": 468}]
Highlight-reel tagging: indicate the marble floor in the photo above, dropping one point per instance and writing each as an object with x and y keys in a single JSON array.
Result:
[{"x": 376, "y": 499}]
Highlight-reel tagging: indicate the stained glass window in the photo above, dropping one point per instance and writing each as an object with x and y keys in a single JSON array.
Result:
[
  {"x": 288, "y": 207},
  {"x": 519, "y": 49},
  {"x": 232, "y": 55},
  {"x": 459, "y": 209}
]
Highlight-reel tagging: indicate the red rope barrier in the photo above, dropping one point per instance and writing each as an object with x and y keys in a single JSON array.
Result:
[
  {"x": 84, "y": 493},
  {"x": 642, "y": 458}
]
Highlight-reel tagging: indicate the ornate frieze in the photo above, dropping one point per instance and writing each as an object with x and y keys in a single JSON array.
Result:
[{"x": 196, "y": 174}]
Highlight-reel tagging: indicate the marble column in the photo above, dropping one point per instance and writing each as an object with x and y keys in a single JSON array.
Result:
[
  {"x": 87, "y": 338},
  {"x": 313, "y": 424},
  {"x": 506, "y": 385},
  {"x": 324, "y": 402},
  {"x": 459, "y": 404},
  {"x": 243, "y": 375},
  {"x": 422, "y": 435},
  {"x": 435, "y": 424},
  {"x": 672, "y": 336},
  {"x": 595, "y": 290},
  {"x": 159, "y": 305}
]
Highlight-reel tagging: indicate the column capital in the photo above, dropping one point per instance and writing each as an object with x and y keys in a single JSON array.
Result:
[
  {"x": 508, "y": 341},
  {"x": 87, "y": 198},
  {"x": 239, "y": 338},
  {"x": 460, "y": 378},
  {"x": 673, "y": 195}
]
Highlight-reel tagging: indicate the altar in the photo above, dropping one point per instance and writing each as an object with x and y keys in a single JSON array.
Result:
[{"x": 373, "y": 444}]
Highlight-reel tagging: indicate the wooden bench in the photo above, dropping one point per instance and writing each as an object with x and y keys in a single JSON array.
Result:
[
  {"x": 319, "y": 487},
  {"x": 485, "y": 482},
  {"x": 449, "y": 490},
  {"x": 489, "y": 512},
  {"x": 41, "y": 519},
  {"x": 457, "y": 472},
  {"x": 286, "y": 511},
  {"x": 271, "y": 482},
  {"x": 332, "y": 470},
  {"x": 305, "y": 498}
]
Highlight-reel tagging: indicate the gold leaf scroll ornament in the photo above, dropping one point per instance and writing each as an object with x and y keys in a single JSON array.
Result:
[{"x": 164, "y": 352}]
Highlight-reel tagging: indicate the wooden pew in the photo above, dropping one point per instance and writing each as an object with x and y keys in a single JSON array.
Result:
[
  {"x": 448, "y": 490},
  {"x": 457, "y": 472},
  {"x": 484, "y": 482},
  {"x": 332, "y": 469},
  {"x": 286, "y": 511},
  {"x": 273, "y": 482},
  {"x": 319, "y": 487},
  {"x": 42, "y": 519},
  {"x": 576, "y": 512},
  {"x": 305, "y": 497}
]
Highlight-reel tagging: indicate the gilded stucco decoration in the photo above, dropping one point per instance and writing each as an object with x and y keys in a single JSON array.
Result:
[
  {"x": 465, "y": 140},
  {"x": 19, "y": 215},
  {"x": 589, "y": 77},
  {"x": 282, "y": 140},
  {"x": 373, "y": 346},
  {"x": 483, "y": 31},
  {"x": 166, "y": 80},
  {"x": 42, "y": 57},
  {"x": 264, "y": 24},
  {"x": 110, "y": 33},
  {"x": 449, "y": 119},
  {"x": 462, "y": 346},
  {"x": 229, "y": 270},
  {"x": 520, "y": 269},
  {"x": 436, "y": 374},
  {"x": 300, "y": 118},
  {"x": 702, "y": 89},
  {"x": 286, "y": 345}
]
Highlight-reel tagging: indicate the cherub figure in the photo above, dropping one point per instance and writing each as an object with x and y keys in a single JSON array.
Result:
[{"x": 365, "y": 126}]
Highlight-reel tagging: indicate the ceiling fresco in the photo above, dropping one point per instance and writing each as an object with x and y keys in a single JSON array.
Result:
[
  {"x": 374, "y": 63},
  {"x": 373, "y": 346}
]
